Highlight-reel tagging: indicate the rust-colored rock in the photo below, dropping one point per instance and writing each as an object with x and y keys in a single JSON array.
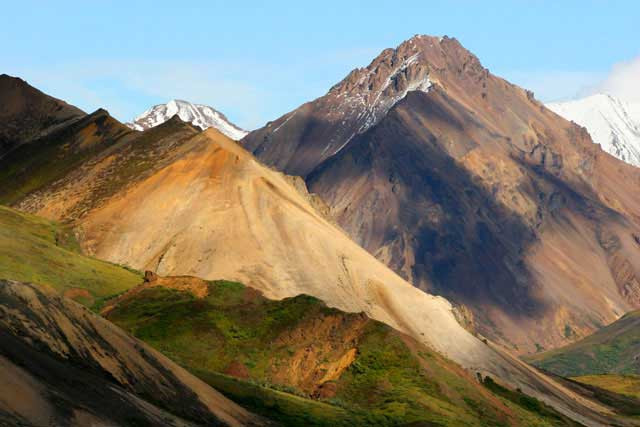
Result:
[
  {"x": 237, "y": 369},
  {"x": 150, "y": 276},
  {"x": 325, "y": 391}
]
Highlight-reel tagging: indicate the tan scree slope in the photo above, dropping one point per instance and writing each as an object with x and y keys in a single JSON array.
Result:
[{"x": 216, "y": 212}]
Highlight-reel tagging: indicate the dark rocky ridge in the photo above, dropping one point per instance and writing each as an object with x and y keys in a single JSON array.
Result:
[{"x": 26, "y": 113}]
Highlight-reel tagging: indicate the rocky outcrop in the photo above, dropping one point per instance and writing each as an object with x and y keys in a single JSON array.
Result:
[{"x": 331, "y": 347}]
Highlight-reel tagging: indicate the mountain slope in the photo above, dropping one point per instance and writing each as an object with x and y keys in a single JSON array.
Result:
[
  {"x": 67, "y": 366},
  {"x": 379, "y": 376},
  {"x": 612, "y": 123},
  {"x": 469, "y": 188},
  {"x": 226, "y": 216},
  {"x": 614, "y": 349},
  {"x": 27, "y": 114},
  {"x": 626, "y": 385},
  {"x": 198, "y": 115}
]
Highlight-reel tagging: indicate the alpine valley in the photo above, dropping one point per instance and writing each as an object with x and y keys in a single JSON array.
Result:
[{"x": 399, "y": 251}]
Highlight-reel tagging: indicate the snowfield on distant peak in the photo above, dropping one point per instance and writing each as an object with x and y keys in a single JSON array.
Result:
[
  {"x": 198, "y": 115},
  {"x": 611, "y": 122}
]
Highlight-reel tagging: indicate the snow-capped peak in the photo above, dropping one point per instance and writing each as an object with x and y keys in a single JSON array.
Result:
[
  {"x": 199, "y": 115},
  {"x": 366, "y": 95},
  {"x": 611, "y": 122}
]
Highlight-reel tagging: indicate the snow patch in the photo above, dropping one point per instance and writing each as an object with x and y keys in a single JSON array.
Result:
[
  {"x": 285, "y": 122},
  {"x": 612, "y": 123},
  {"x": 198, "y": 115}
]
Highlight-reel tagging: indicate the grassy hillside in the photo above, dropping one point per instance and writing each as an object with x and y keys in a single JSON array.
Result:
[
  {"x": 618, "y": 392},
  {"x": 612, "y": 350},
  {"x": 301, "y": 362},
  {"x": 35, "y": 250},
  {"x": 627, "y": 385}
]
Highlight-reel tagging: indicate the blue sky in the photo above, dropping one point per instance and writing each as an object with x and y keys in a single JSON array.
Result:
[{"x": 257, "y": 60}]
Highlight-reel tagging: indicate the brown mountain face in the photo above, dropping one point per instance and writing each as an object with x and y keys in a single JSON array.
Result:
[
  {"x": 27, "y": 114},
  {"x": 63, "y": 365},
  {"x": 468, "y": 187}
]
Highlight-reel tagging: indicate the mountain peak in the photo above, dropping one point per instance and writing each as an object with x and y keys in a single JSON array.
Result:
[
  {"x": 415, "y": 64},
  {"x": 199, "y": 115},
  {"x": 466, "y": 171},
  {"x": 5, "y": 76},
  {"x": 366, "y": 95}
]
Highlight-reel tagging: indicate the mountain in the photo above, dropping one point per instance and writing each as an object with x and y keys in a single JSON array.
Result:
[
  {"x": 208, "y": 208},
  {"x": 246, "y": 332},
  {"x": 469, "y": 188},
  {"x": 611, "y": 122},
  {"x": 299, "y": 345},
  {"x": 180, "y": 201},
  {"x": 198, "y": 115},
  {"x": 224, "y": 215},
  {"x": 62, "y": 365},
  {"x": 27, "y": 114},
  {"x": 614, "y": 349}
]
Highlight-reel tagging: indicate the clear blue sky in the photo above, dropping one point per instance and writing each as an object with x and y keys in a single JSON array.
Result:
[{"x": 257, "y": 60}]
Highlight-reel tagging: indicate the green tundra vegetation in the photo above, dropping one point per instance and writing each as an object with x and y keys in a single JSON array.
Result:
[
  {"x": 33, "y": 249},
  {"x": 613, "y": 349},
  {"x": 627, "y": 385},
  {"x": 392, "y": 380}
]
